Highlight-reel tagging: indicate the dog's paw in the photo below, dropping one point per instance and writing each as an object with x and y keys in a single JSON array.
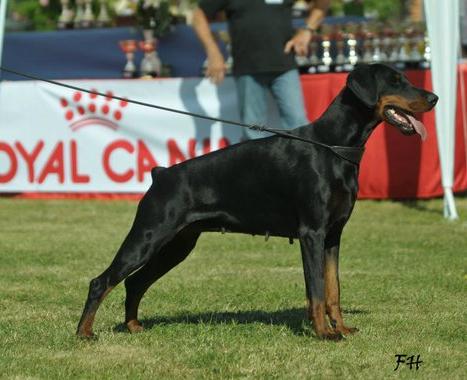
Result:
[
  {"x": 344, "y": 330},
  {"x": 86, "y": 335},
  {"x": 330, "y": 334},
  {"x": 134, "y": 326}
]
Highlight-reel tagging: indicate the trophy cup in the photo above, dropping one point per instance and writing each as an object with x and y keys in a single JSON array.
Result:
[
  {"x": 129, "y": 47},
  {"x": 367, "y": 43},
  {"x": 65, "y": 20},
  {"x": 224, "y": 36},
  {"x": 402, "y": 57},
  {"x": 103, "y": 18},
  {"x": 326, "y": 58},
  {"x": 416, "y": 48},
  {"x": 340, "y": 56},
  {"x": 150, "y": 64},
  {"x": 313, "y": 60},
  {"x": 352, "y": 58},
  {"x": 79, "y": 14},
  {"x": 426, "y": 62},
  {"x": 88, "y": 18}
]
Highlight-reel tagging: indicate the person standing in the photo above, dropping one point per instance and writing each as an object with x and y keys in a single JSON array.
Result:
[{"x": 263, "y": 46}]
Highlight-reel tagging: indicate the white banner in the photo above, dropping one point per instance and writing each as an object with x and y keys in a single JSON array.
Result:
[{"x": 53, "y": 139}]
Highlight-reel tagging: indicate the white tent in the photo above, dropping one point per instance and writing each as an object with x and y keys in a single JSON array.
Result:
[{"x": 443, "y": 30}]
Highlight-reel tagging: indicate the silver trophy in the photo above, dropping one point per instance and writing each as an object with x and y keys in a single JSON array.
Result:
[
  {"x": 103, "y": 18},
  {"x": 352, "y": 57},
  {"x": 367, "y": 43},
  {"x": 326, "y": 57},
  {"x": 65, "y": 20},
  {"x": 426, "y": 63},
  {"x": 79, "y": 14},
  {"x": 313, "y": 59},
  {"x": 88, "y": 17}
]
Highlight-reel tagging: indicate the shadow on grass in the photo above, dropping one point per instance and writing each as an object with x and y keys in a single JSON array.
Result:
[
  {"x": 420, "y": 206},
  {"x": 294, "y": 319}
]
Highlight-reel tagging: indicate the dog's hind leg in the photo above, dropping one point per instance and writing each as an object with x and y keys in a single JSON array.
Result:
[
  {"x": 171, "y": 254},
  {"x": 142, "y": 241}
]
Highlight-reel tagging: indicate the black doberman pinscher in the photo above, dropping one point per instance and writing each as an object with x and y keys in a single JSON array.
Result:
[{"x": 276, "y": 186}]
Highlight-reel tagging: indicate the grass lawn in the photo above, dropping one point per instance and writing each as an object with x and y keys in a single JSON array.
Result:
[{"x": 235, "y": 307}]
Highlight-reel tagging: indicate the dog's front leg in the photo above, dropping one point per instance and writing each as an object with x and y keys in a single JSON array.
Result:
[
  {"x": 332, "y": 291},
  {"x": 312, "y": 248}
]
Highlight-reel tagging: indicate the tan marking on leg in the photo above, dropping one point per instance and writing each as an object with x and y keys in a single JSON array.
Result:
[
  {"x": 134, "y": 326},
  {"x": 85, "y": 330},
  {"x": 332, "y": 297},
  {"x": 317, "y": 315}
]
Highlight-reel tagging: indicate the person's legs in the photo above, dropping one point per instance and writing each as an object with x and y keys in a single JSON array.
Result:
[
  {"x": 251, "y": 92},
  {"x": 287, "y": 91}
]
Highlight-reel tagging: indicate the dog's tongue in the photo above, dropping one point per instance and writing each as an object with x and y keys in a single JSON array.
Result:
[{"x": 418, "y": 126}]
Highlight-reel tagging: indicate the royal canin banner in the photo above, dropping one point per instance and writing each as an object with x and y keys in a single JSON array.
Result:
[{"x": 53, "y": 139}]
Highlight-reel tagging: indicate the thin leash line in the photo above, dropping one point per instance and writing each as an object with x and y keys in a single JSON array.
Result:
[
  {"x": 144, "y": 104},
  {"x": 338, "y": 150}
]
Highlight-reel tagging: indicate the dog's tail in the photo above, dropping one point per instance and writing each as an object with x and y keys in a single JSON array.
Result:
[{"x": 155, "y": 172}]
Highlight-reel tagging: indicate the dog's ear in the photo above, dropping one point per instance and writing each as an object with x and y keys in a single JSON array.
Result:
[{"x": 362, "y": 83}]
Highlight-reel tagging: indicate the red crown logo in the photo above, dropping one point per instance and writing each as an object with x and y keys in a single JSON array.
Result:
[{"x": 84, "y": 111}]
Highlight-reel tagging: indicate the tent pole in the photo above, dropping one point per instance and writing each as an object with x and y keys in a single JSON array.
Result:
[{"x": 3, "y": 8}]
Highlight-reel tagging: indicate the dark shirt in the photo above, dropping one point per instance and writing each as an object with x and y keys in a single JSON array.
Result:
[{"x": 259, "y": 30}]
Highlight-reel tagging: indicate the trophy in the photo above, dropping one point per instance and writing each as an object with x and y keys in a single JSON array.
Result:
[
  {"x": 313, "y": 60},
  {"x": 129, "y": 47},
  {"x": 340, "y": 56},
  {"x": 79, "y": 14},
  {"x": 150, "y": 64},
  {"x": 326, "y": 58},
  {"x": 88, "y": 18},
  {"x": 392, "y": 46},
  {"x": 426, "y": 63},
  {"x": 225, "y": 38},
  {"x": 352, "y": 57},
  {"x": 65, "y": 20},
  {"x": 402, "y": 57},
  {"x": 416, "y": 47},
  {"x": 103, "y": 18},
  {"x": 367, "y": 43}
]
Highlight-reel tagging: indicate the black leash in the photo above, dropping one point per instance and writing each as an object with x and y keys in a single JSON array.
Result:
[{"x": 351, "y": 154}]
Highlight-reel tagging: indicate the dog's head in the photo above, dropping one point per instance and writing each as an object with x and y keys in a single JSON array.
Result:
[{"x": 391, "y": 95}]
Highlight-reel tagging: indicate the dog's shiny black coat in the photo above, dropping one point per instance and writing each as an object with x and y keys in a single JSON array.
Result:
[{"x": 273, "y": 186}]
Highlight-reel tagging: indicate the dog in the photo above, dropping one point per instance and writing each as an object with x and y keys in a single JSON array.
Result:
[{"x": 295, "y": 187}]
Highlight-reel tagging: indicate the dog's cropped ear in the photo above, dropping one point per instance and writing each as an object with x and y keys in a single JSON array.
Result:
[{"x": 362, "y": 83}]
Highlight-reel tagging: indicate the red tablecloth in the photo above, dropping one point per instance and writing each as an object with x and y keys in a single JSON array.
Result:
[{"x": 394, "y": 165}]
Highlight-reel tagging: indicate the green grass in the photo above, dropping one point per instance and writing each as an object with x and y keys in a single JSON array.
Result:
[{"x": 235, "y": 307}]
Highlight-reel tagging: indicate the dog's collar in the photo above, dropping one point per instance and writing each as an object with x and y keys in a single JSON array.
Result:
[
  {"x": 351, "y": 154},
  {"x": 348, "y": 153}
]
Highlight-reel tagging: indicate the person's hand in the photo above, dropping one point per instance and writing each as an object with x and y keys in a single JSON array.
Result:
[
  {"x": 299, "y": 43},
  {"x": 216, "y": 67}
]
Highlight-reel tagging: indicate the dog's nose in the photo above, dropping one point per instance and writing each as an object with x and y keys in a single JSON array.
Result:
[{"x": 431, "y": 98}]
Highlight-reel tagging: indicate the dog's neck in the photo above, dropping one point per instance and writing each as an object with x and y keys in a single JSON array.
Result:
[{"x": 346, "y": 122}]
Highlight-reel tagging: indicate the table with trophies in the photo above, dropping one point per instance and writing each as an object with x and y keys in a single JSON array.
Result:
[{"x": 169, "y": 72}]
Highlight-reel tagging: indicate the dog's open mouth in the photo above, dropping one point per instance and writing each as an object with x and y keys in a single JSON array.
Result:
[{"x": 405, "y": 121}]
